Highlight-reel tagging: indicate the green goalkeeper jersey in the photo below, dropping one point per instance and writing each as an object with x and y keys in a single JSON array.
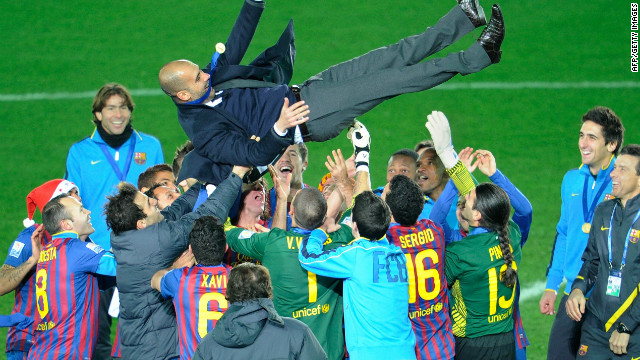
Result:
[
  {"x": 480, "y": 303},
  {"x": 297, "y": 293}
]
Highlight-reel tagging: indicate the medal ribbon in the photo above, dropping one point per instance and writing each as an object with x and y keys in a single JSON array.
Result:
[
  {"x": 587, "y": 211},
  {"x": 214, "y": 63},
  {"x": 127, "y": 163},
  {"x": 626, "y": 243}
]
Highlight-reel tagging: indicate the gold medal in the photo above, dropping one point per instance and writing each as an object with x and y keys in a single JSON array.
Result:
[{"x": 586, "y": 227}]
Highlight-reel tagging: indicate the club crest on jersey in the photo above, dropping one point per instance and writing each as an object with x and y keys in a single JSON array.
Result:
[
  {"x": 583, "y": 350},
  {"x": 634, "y": 236},
  {"x": 609, "y": 197},
  {"x": 140, "y": 158}
]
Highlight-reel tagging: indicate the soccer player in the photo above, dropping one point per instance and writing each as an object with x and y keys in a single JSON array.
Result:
[
  {"x": 253, "y": 101},
  {"x": 481, "y": 269},
  {"x": 314, "y": 300},
  {"x": 144, "y": 242},
  {"x": 522, "y": 216},
  {"x": 401, "y": 162},
  {"x": 374, "y": 272},
  {"x": 158, "y": 174},
  {"x": 198, "y": 292},
  {"x": 17, "y": 272},
  {"x": 423, "y": 244},
  {"x": 114, "y": 152},
  {"x": 600, "y": 139},
  {"x": 610, "y": 270},
  {"x": 66, "y": 283}
]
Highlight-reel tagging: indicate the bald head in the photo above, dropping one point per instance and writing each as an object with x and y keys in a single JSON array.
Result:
[{"x": 173, "y": 76}]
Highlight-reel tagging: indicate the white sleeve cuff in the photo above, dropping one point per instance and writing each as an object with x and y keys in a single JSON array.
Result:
[{"x": 275, "y": 128}]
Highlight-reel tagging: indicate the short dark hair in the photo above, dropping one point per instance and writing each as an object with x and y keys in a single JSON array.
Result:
[
  {"x": 612, "y": 127},
  {"x": 633, "y": 150},
  {"x": 424, "y": 144},
  {"x": 121, "y": 211},
  {"x": 181, "y": 152},
  {"x": 405, "y": 200},
  {"x": 309, "y": 208},
  {"x": 53, "y": 213},
  {"x": 493, "y": 204},
  {"x": 405, "y": 152},
  {"x": 106, "y": 92},
  {"x": 248, "y": 281},
  {"x": 208, "y": 241},
  {"x": 372, "y": 215},
  {"x": 146, "y": 179}
]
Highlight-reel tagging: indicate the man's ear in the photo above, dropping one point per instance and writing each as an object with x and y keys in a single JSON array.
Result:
[
  {"x": 144, "y": 189},
  {"x": 477, "y": 216},
  {"x": 611, "y": 147},
  {"x": 141, "y": 224},
  {"x": 354, "y": 229},
  {"x": 183, "y": 95},
  {"x": 98, "y": 115},
  {"x": 66, "y": 224}
]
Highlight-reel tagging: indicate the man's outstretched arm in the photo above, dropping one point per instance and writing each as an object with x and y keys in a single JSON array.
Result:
[{"x": 241, "y": 33}]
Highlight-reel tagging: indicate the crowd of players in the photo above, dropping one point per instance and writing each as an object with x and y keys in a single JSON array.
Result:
[{"x": 200, "y": 260}]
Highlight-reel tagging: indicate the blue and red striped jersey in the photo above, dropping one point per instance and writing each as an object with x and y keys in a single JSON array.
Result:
[
  {"x": 199, "y": 298},
  {"x": 423, "y": 245},
  {"x": 67, "y": 299},
  {"x": 25, "y": 294}
]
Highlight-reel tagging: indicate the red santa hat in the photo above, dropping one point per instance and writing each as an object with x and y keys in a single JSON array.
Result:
[{"x": 41, "y": 195}]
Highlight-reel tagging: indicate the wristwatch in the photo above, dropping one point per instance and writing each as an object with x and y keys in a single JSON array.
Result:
[{"x": 623, "y": 329}]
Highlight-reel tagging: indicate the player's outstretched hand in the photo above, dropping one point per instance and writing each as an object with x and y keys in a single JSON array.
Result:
[
  {"x": 438, "y": 127},
  {"x": 359, "y": 136},
  {"x": 466, "y": 156},
  {"x": 281, "y": 184},
  {"x": 337, "y": 166},
  {"x": 291, "y": 116},
  {"x": 486, "y": 162}
]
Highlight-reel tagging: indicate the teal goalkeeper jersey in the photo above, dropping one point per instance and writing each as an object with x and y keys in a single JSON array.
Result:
[
  {"x": 480, "y": 303},
  {"x": 297, "y": 293}
]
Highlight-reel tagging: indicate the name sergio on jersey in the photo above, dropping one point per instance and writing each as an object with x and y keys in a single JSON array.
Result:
[
  {"x": 434, "y": 308},
  {"x": 413, "y": 240},
  {"x": 314, "y": 311}
]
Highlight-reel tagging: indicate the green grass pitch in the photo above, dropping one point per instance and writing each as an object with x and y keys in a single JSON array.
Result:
[{"x": 552, "y": 49}]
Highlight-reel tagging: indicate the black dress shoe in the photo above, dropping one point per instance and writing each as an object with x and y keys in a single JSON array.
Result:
[
  {"x": 492, "y": 36},
  {"x": 474, "y": 11}
]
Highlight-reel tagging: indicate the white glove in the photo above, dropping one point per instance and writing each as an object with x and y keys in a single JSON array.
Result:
[
  {"x": 360, "y": 138},
  {"x": 438, "y": 126}
]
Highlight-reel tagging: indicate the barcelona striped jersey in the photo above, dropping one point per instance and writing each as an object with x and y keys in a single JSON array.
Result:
[
  {"x": 67, "y": 298},
  {"x": 199, "y": 298},
  {"x": 424, "y": 247}
]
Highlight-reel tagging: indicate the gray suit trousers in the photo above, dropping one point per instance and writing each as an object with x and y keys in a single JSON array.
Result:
[{"x": 347, "y": 90}]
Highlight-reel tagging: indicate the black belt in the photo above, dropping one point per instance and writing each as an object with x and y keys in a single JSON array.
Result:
[{"x": 295, "y": 89}]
